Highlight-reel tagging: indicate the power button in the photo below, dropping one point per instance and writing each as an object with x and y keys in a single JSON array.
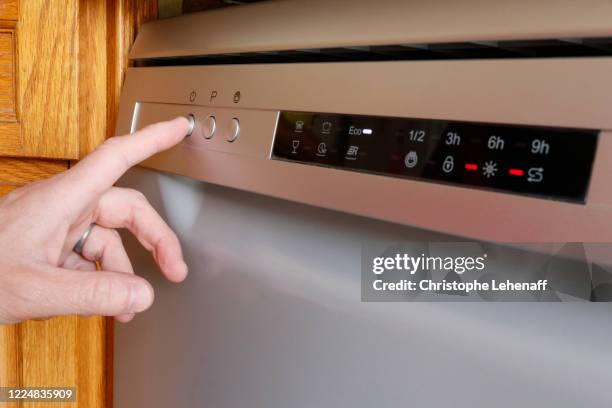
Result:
[
  {"x": 192, "y": 124},
  {"x": 234, "y": 130}
]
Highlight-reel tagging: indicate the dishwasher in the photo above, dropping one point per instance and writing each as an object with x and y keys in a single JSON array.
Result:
[{"x": 327, "y": 133}]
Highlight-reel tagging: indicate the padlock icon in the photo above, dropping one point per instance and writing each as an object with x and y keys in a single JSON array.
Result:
[
  {"x": 411, "y": 159},
  {"x": 448, "y": 165}
]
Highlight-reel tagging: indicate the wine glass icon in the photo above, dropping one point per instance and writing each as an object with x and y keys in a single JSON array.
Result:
[{"x": 295, "y": 144}]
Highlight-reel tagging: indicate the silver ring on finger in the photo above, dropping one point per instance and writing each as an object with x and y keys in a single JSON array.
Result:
[{"x": 78, "y": 247}]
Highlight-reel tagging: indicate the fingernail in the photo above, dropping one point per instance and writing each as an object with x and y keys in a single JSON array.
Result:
[{"x": 142, "y": 298}]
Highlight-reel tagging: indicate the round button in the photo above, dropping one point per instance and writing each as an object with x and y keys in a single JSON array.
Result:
[
  {"x": 209, "y": 125},
  {"x": 192, "y": 123},
  {"x": 234, "y": 130}
]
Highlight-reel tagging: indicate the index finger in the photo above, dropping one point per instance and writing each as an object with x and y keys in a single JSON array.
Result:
[{"x": 101, "y": 169}]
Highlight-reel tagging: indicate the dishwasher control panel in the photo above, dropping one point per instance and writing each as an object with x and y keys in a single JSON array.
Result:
[
  {"x": 545, "y": 162},
  {"x": 244, "y": 132}
]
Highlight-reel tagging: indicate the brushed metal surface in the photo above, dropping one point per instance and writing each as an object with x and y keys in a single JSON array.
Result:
[
  {"x": 297, "y": 24},
  {"x": 548, "y": 92},
  {"x": 261, "y": 125},
  {"x": 270, "y": 316}
]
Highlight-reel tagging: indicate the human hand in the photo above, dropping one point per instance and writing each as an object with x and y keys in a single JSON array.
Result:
[{"x": 41, "y": 275}]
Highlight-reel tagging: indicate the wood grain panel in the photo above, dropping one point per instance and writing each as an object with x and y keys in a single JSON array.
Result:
[
  {"x": 9, "y": 9},
  {"x": 47, "y": 47},
  {"x": 93, "y": 65},
  {"x": 10, "y": 129},
  {"x": 10, "y": 139},
  {"x": 48, "y": 355},
  {"x": 7, "y": 75},
  {"x": 17, "y": 172},
  {"x": 45, "y": 58},
  {"x": 94, "y": 369}
]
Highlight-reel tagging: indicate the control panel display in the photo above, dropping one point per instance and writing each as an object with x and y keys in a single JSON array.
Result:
[{"x": 545, "y": 162}]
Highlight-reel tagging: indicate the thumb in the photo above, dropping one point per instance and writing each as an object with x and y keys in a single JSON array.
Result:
[{"x": 96, "y": 293}]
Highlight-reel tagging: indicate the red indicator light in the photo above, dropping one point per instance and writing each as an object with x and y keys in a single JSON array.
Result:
[
  {"x": 471, "y": 166},
  {"x": 516, "y": 172}
]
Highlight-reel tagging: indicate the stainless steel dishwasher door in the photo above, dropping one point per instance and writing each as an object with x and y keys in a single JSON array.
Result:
[{"x": 270, "y": 316}]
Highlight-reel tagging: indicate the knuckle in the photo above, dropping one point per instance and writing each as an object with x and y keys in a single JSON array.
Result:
[
  {"x": 93, "y": 250},
  {"x": 138, "y": 197},
  {"x": 139, "y": 207},
  {"x": 94, "y": 295},
  {"x": 106, "y": 296}
]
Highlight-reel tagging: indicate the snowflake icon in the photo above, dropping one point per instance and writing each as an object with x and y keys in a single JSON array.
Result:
[{"x": 489, "y": 169}]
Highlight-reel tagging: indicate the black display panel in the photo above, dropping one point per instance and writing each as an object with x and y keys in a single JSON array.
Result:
[{"x": 545, "y": 162}]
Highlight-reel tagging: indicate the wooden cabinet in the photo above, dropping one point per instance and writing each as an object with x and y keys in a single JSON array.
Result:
[
  {"x": 38, "y": 72},
  {"x": 61, "y": 69}
]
